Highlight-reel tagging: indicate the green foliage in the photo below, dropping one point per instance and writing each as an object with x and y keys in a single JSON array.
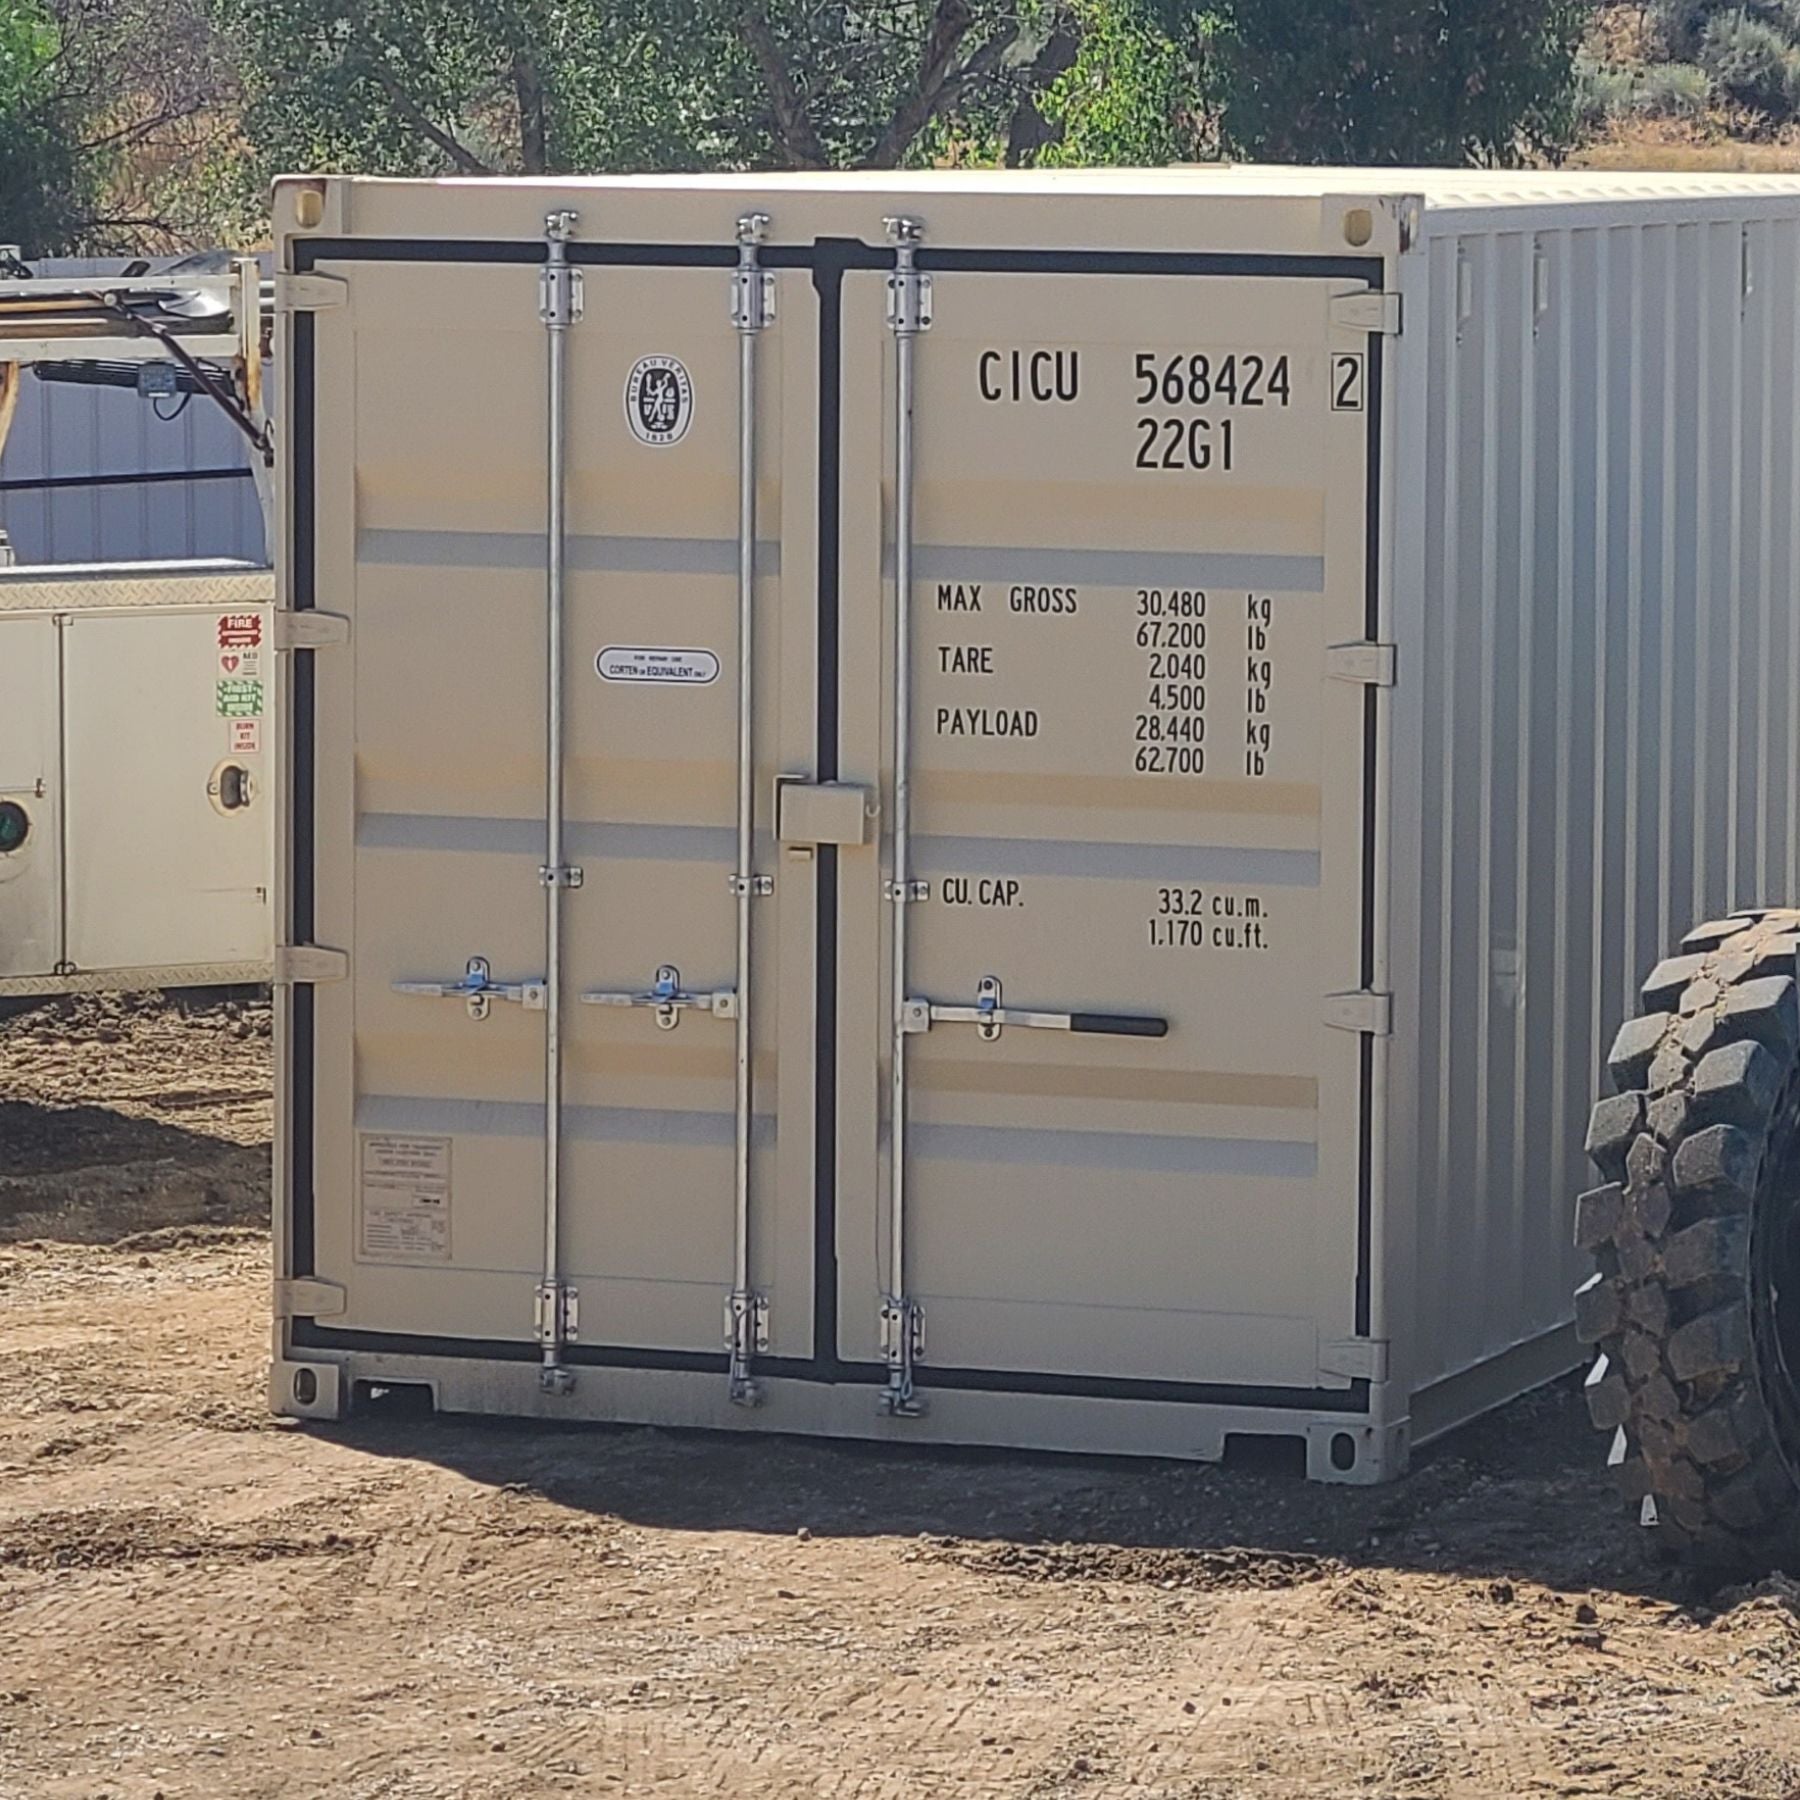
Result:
[
  {"x": 1679, "y": 23},
  {"x": 1396, "y": 81},
  {"x": 1131, "y": 97},
  {"x": 40, "y": 188},
  {"x": 1753, "y": 61},
  {"x": 430, "y": 86},
  {"x": 1602, "y": 92},
  {"x": 1701, "y": 31},
  {"x": 1605, "y": 92},
  {"x": 1671, "y": 90},
  {"x": 439, "y": 86}
]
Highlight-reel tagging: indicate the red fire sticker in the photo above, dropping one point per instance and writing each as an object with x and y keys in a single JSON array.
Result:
[{"x": 240, "y": 631}]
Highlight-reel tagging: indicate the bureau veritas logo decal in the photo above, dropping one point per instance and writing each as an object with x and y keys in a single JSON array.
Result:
[{"x": 659, "y": 400}]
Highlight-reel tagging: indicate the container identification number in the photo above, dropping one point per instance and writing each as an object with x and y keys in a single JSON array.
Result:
[{"x": 1223, "y": 384}]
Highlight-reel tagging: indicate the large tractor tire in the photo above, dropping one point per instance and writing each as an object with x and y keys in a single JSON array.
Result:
[{"x": 1695, "y": 1303}]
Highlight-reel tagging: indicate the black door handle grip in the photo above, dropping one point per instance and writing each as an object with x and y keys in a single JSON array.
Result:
[{"x": 1118, "y": 1025}]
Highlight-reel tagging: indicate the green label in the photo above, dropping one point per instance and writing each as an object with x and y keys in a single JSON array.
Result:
[{"x": 240, "y": 699}]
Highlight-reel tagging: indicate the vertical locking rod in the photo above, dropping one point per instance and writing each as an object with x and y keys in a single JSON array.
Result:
[
  {"x": 560, "y": 307},
  {"x": 908, "y": 315},
  {"x": 750, "y": 313}
]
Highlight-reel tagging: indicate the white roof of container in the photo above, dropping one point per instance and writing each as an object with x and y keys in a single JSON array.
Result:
[{"x": 1439, "y": 188}]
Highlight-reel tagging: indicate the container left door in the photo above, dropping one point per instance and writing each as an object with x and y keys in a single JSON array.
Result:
[
  {"x": 30, "y": 796},
  {"x": 423, "y": 1095}
]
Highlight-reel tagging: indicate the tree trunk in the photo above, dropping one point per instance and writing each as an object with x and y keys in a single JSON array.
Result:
[
  {"x": 1030, "y": 131},
  {"x": 528, "y": 88}
]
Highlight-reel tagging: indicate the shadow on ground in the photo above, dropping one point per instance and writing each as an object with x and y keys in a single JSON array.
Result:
[
  {"x": 88, "y": 1174},
  {"x": 1519, "y": 1497}
]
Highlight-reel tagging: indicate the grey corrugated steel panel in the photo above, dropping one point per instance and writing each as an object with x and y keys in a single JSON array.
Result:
[
  {"x": 62, "y": 430},
  {"x": 1604, "y": 690}
]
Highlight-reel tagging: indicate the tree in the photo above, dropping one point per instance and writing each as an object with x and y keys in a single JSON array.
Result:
[
  {"x": 40, "y": 179},
  {"x": 478, "y": 86},
  {"x": 109, "y": 113},
  {"x": 491, "y": 86},
  {"x": 1394, "y": 81}
]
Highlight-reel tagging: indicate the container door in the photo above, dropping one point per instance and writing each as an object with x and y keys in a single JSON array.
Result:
[
  {"x": 169, "y": 807},
  {"x": 423, "y": 849},
  {"x": 1130, "y": 1147},
  {"x": 30, "y": 796}
]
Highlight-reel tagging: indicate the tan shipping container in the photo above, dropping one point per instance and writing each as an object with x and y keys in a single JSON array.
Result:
[{"x": 1129, "y": 675}]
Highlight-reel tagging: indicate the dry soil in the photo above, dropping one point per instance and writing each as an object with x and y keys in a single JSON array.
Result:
[{"x": 198, "y": 1601}]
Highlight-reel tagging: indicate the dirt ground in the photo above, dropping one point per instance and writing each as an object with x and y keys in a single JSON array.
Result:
[{"x": 198, "y": 1601}]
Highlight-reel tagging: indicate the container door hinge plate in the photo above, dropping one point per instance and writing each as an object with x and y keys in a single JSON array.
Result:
[
  {"x": 309, "y": 963},
  {"x": 1367, "y": 311},
  {"x": 557, "y": 1313},
  {"x": 902, "y": 1347},
  {"x": 309, "y": 630},
  {"x": 306, "y": 1297},
  {"x": 1361, "y": 1011},
  {"x": 310, "y": 293},
  {"x": 1355, "y": 1359},
  {"x": 1372, "y": 665}
]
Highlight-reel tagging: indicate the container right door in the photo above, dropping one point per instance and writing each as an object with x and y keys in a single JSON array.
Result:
[{"x": 1132, "y": 1150}]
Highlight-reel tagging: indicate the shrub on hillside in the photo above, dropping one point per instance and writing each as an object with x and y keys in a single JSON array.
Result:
[
  {"x": 1752, "y": 62},
  {"x": 1672, "y": 90},
  {"x": 1603, "y": 91},
  {"x": 1682, "y": 25},
  {"x": 1679, "y": 24}
]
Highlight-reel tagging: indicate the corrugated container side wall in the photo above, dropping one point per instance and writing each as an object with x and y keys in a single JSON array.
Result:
[{"x": 1599, "y": 704}]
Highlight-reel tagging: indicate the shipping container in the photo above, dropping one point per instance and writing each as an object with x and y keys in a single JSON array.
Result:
[
  {"x": 1004, "y": 809},
  {"x": 137, "y": 799}
]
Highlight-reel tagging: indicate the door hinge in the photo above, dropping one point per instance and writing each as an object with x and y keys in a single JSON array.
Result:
[
  {"x": 309, "y": 963},
  {"x": 908, "y": 290},
  {"x": 1355, "y": 1359},
  {"x": 1369, "y": 310},
  {"x": 560, "y": 298},
  {"x": 307, "y": 1297},
  {"x": 1361, "y": 1011},
  {"x": 556, "y": 1312},
  {"x": 305, "y": 629},
  {"x": 752, "y": 287},
  {"x": 747, "y": 1322},
  {"x": 1370, "y": 664},
  {"x": 310, "y": 293}
]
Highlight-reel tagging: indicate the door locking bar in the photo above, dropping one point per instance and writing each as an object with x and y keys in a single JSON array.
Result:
[
  {"x": 478, "y": 990},
  {"x": 990, "y": 1016},
  {"x": 559, "y": 309},
  {"x": 746, "y": 1310},
  {"x": 908, "y": 317},
  {"x": 669, "y": 998}
]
